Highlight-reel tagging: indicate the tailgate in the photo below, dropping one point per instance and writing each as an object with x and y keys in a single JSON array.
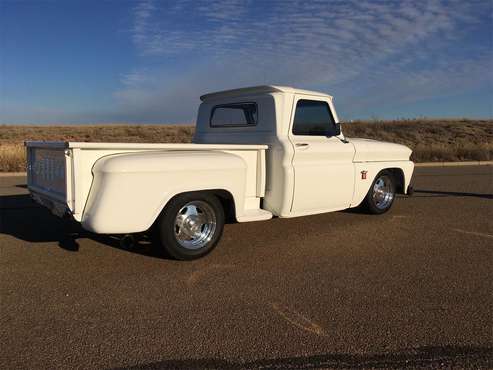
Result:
[{"x": 47, "y": 167}]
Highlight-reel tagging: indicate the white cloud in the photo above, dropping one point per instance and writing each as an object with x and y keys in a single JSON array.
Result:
[{"x": 352, "y": 47}]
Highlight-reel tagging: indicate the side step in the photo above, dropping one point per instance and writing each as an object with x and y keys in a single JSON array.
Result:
[{"x": 255, "y": 215}]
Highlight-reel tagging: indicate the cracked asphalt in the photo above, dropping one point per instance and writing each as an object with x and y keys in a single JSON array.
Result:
[{"x": 412, "y": 288}]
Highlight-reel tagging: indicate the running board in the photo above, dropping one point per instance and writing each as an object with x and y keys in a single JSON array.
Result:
[{"x": 254, "y": 215}]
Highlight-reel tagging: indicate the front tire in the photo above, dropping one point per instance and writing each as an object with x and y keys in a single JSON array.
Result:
[
  {"x": 190, "y": 226},
  {"x": 381, "y": 194}
]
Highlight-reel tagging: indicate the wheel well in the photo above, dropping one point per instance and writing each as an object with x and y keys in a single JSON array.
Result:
[
  {"x": 398, "y": 176},
  {"x": 228, "y": 203},
  {"x": 224, "y": 196}
]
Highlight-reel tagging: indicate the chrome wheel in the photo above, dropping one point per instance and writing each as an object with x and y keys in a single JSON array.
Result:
[
  {"x": 195, "y": 224},
  {"x": 383, "y": 192}
]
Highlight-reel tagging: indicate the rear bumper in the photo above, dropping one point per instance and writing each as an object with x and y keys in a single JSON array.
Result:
[{"x": 57, "y": 208}]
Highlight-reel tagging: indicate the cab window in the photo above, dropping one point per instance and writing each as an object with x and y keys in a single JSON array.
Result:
[
  {"x": 238, "y": 114},
  {"x": 314, "y": 118}
]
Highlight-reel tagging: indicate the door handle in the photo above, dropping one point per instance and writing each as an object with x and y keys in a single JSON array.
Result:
[{"x": 302, "y": 145}]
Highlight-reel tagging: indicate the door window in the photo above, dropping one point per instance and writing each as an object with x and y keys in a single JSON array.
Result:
[{"x": 314, "y": 118}]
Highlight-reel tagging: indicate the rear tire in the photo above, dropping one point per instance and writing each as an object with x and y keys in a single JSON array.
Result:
[
  {"x": 190, "y": 226},
  {"x": 381, "y": 194}
]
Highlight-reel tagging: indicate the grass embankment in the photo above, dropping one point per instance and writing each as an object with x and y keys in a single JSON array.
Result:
[
  {"x": 431, "y": 140},
  {"x": 12, "y": 137}
]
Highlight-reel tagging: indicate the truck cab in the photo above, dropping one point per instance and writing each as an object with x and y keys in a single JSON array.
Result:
[
  {"x": 257, "y": 152},
  {"x": 311, "y": 167}
]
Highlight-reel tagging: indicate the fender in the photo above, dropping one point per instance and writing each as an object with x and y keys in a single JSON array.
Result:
[
  {"x": 130, "y": 190},
  {"x": 362, "y": 182}
]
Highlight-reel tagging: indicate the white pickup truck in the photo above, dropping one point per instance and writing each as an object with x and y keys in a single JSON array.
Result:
[{"x": 257, "y": 152}]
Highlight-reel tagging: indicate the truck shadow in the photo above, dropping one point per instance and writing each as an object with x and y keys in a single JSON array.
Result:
[
  {"x": 432, "y": 357},
  {"x": 23, "y": 219}
]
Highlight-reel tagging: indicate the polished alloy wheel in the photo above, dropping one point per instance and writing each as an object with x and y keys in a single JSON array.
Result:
[
  {"x": 383, "y": 193},
  {"x": 195, "y": 224}
]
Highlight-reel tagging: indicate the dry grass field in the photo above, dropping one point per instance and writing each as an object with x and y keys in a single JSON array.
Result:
[{"x": 431, "y": 140}]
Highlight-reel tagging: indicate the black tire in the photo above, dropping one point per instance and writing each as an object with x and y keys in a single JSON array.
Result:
[
  {"x": 170, "y": 237},
  {"x": 374, "y": 202}
]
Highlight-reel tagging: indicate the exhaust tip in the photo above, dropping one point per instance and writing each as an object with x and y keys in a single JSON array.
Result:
[{"x": 127, "y": 241}]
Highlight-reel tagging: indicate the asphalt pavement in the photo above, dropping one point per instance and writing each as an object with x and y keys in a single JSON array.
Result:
[{"x": 412, "y": 288}]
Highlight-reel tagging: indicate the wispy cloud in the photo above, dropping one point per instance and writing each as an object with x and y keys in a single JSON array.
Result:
[{"x": 355, "y": 48}]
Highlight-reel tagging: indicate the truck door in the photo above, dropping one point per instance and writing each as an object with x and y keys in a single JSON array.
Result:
[{"x": 323, "y": 164}]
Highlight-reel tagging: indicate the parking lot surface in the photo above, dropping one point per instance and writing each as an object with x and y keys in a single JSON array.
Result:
[{"x": 411, "y": 288}]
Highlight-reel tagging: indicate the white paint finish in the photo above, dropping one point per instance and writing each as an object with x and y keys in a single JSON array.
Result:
[
  {"x": 371, "y": 150},
  {"x": 323, "y": 174},
  {"x": 130, "y": 190},
  {"x": 261, "y": 174},
  {"x": 253, "y": 175},
  {"x": 122, "y": 187},
  {"x": 137, "y": 146},
  {"x": 323, "y": 170},
  {"x": 272, "y": 129},
  {"x": 372, "y": 169},
  {"x": 419, "y": 164},
  {"x": 258, "y": 91},
  {"x": 83, "y": 156},
  {"x": 255, "y": 215}
]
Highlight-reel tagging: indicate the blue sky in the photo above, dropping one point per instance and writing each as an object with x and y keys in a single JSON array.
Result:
[{"x": 149, "y": 61}]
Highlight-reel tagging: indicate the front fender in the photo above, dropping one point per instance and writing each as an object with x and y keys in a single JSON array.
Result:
[
  {"x": 371, "y": 169},
  {"x": 130, "y": 190}
]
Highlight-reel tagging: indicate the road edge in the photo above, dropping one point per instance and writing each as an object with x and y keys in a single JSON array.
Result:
[{"x": 454, "y": 164}]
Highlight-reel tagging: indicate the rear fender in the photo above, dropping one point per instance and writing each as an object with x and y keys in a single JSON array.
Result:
[{"x": 129, "y": 191}]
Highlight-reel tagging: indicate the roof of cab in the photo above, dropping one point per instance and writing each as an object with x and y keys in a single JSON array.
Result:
[{"x": 254, "y": 90}]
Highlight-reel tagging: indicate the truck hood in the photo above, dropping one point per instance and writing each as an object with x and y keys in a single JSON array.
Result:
[{"x": 367, "y": 150}]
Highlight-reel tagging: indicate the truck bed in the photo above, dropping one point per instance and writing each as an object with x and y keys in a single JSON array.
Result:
[{"x": 60, "y": 172}]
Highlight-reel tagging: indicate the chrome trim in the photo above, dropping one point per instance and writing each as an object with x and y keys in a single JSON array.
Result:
[
  {"x": 382, "y": 192},
  {"x": 195, "y": 225}
]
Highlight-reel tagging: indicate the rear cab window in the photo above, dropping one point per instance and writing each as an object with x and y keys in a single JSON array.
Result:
[
  {"x": 314, "y": 118},
  {"x": 234, "y": 115}
]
